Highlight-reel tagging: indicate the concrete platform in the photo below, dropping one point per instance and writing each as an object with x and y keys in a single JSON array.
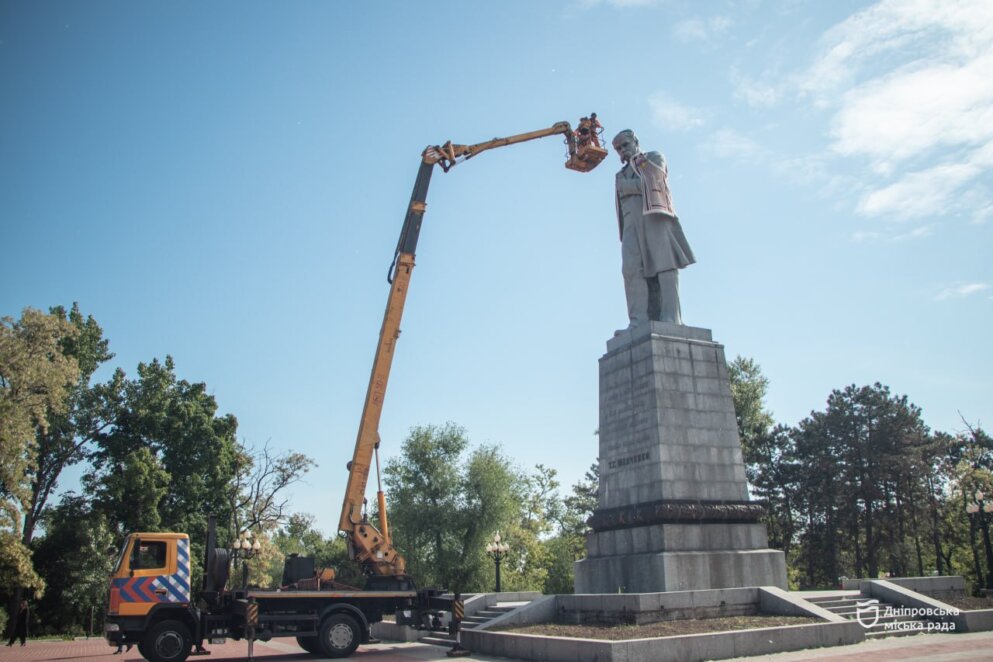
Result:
[{"x": 922, "y": 648}]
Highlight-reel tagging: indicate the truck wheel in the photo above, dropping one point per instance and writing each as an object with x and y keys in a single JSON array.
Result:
[
  {"x": 309, "y": 644},
  {"x": 168, "y": 641},
  {"x": 339, "y": 635}
]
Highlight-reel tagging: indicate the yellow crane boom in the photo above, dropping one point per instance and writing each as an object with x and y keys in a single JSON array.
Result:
[{"x": 370, "y": 546}]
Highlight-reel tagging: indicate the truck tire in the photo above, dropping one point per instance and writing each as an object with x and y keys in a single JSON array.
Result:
[
  {"x": 168, "y": 641},
  {"x": 310, "y": 645},
  {"x": 339, "y": 635}
]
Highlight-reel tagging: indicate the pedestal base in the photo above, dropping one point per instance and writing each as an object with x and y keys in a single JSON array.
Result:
[
  {"x": 681, "y": 571},
  {"x": 673, "y": 509}
]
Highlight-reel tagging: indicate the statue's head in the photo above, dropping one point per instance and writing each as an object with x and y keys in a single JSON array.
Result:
[{"x": 626, "y": 145}]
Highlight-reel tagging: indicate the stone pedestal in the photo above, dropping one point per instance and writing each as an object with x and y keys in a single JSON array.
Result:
[{"x": 673, "y": 511}]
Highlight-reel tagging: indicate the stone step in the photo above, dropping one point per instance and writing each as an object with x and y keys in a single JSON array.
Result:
[
  {"x": 846, "y": 606},
  {"x": 853, "y": 615},
  {"x": 831, "y": 605},
  {"x": 879, "y": 631},
  {"x": 511, "y": 605},
  {"x": 488, "y": 614},
  {"x": 438, "y": 639},
  {"x": 820, "y": 599}
]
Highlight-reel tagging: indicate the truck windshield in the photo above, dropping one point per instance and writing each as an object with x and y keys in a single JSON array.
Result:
[{"x": 120, "y": 556}]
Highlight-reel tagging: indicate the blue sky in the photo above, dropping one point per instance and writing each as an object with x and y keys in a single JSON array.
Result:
[{"x": 224, "y": 182}]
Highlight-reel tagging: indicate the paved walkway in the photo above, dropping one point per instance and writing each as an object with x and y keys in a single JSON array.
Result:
[
  {"x": 922, "y": 648},
  {"x": 917, "y": 648}
]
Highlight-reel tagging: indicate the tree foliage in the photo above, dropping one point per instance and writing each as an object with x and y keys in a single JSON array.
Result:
[
  {"x": 75, "y": 555},
  {"x": 35, "y": 379},
  {"x": 64, "y": 441},
  {"x": 447, "y": 501},
  {"x": 177, "y": 424},
  {"x": 258, "y": 498},
  {"x": 862, "y": 488},
  {"x": 748, "y": 391},
  {"x": 159, "y": 454}
]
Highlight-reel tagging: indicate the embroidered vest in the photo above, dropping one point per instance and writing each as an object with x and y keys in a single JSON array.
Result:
[{"x": 656, "y": 196}]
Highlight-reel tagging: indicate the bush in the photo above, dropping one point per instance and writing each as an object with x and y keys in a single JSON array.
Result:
[
  {"x": 73, "y": 632},
  {"x": 3, "y": 620}
]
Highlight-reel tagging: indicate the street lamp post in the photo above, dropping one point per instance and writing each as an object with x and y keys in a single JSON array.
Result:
[
  {"x": 497, "y": 550},
  {"x": 981, "y": 510},
  {"x": 245, "y": 549}
]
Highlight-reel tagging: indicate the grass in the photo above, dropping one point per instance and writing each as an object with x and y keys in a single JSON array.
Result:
[{"x": 968, "y": 604}]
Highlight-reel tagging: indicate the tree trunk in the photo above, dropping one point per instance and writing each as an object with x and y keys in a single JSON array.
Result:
[
  {"x": 870, "y": 544},
  {"x": 860, "y": 569},
  {"x": 935, "y": 526},
  {"x": 975, "y": 552},
  {"x": 897, "y": 545}
]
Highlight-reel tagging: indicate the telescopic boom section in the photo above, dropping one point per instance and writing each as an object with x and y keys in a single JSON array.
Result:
[{"x": 370, "y": 547}]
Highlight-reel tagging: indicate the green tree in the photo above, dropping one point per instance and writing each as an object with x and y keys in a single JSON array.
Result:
[
  {"x": 163, "y": 426},
  {"x": 568, "y": 545},
  {"x": 748, "y": 390},
  {"x": 767, "y": 451},
  {"x": 35, "y": 382},
  {"x": 861, "y": 486},
  {"x": 258, "y": 505},
  {"x": 178, "y": 422},
  {"x": 972, "y": 473},
  {"x": 64, "y": 440},
  {"x": 131, "y": 496},
  {"x": 531, "y": 552},
  {"x": 73, "y": 555},
  {"x": 447, "y": 502},
  {"x": 776, "y": 479},
  {"x": 257, "y": 494}
]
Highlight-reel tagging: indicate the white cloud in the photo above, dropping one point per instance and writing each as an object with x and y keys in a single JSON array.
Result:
[
  {"x": 690, "y": 30},
  {"x": 961, "y": 290},
  {"x": 862, "y": 236},
  {"x": 911, "y": 85},
  {"x": 916, "y": 233},
  {"x": 908, "y": 113},
  {"x": 700, "y": 29},
  {"x": 729, "y": 144},
  {"x": 621, "y": 3},
  {"x": 755, "y": 93},
  {"x": 982, "y": 212},
  {"x": 930, "y": 30},
  {"x": 866, "y": 236},
  {"x": 674, "y": 116},
  {"x": 927, "y": 192}
]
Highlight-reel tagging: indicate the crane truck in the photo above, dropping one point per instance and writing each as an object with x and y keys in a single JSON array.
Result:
[{"x": 151, "y": 603}]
